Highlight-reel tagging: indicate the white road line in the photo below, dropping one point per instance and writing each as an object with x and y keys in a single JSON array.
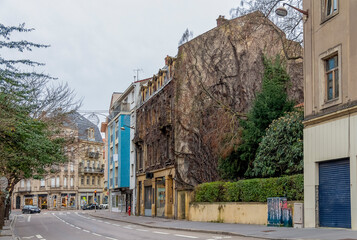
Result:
[
  {"x": 185, "y": 236},
  {"x": 45, "y": 213},
  {"x": 142, "y": 230},
  {"x": 38, "y": 236},
  {"x": 128, "y": 227},
  {"x": 116, "y": 225},
  {"x": 97, "y": 234},
  {"x": 165, "y": 233},
  {"x": 86, "y": 231},
  {"x": 111, "y": 238},
  {"x": 71, "y": 225},
  {"x": 29, "y": 219},
  {"x": 94, "y": 219},
  {"x": 107, "y": 222},
  {"x": 79, "y": 228},
  {"x": 99, "y": 220}
]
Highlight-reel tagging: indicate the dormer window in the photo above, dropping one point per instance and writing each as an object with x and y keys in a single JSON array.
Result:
[{"x": 91, "y": 133}]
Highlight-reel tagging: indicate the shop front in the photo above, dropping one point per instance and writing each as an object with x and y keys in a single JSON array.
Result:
[
  {"x": 42, "y": 201},
  {"x": 29, "y": 199}
]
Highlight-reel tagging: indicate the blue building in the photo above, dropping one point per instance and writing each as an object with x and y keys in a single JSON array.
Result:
[{"x": 118, "y": 151}]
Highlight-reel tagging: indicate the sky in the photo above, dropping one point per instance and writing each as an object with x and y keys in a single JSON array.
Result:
[{"x": 97, "y": 44}]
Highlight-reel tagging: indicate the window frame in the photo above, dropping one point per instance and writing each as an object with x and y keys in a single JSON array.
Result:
[
  {"x": 322, "y": 83},
  {"x": 324, "y": 16},
  {"x": 331, "y": 71}
]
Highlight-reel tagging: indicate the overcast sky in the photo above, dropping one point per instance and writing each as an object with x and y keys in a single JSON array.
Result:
[{"x": 96, "y": 44}]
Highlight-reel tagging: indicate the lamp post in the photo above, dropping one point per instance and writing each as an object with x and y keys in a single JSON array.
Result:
[
  {"x": 123, "y": 127},
  {"x": 282, "y": 12}
]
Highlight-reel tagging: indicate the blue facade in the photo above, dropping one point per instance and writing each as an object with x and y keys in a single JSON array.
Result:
[{"x": 123, "y": 136}]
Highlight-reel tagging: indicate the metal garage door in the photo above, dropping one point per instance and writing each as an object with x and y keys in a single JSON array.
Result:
[{"x": 334, "y": 194}]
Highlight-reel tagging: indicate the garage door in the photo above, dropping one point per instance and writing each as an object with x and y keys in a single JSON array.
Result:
[{"x": 334, "y": 194}]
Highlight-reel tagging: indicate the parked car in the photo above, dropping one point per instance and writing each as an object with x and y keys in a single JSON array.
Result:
[
  {"x": 30, "y": 209},
  {"x": 103, "y": 206},
  {"x": 90, "y": 206}
]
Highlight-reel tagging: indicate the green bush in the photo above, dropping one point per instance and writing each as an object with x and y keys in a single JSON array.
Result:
[{"x": 252, "y": 190}]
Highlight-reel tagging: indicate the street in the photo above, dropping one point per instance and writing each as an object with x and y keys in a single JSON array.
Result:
[{"x": 77, "y": 225}]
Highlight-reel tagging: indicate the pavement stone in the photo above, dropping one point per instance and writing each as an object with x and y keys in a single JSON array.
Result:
[{"x": 258, "y": 231}]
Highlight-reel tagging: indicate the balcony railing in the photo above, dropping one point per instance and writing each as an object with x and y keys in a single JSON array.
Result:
[
  {"x": 91, "y": 170},
  {"x": 24, "y": 189}
]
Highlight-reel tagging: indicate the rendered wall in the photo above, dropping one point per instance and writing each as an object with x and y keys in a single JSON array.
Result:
[{"x": 245, "y": 213}]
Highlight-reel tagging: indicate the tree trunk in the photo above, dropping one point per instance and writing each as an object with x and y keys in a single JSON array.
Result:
[{"x": 2, "y": 209}]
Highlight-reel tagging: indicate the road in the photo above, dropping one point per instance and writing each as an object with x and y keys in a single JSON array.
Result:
[{"x": 76, "y": 225}]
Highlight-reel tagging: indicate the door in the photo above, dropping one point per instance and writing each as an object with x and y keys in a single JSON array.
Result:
[
  {"x": 18, "y": 202},
  {"x": 148, "y": 200},
  {"x": 334, "y": 194}
]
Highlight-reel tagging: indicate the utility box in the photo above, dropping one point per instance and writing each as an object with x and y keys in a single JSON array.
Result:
[
  {"x": 275, "y": 211},
  {"x": 298, "y": 215}
]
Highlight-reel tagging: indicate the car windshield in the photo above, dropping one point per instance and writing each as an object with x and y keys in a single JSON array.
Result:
[{"x": 32, "y": 207}]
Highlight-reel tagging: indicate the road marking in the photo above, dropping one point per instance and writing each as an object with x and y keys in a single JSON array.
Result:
[
  {"x": 97, "y": 234},
  {"x": 128, "y": 227},
  {"x": 28, "y": 237},
  {"x": 107, "y": 222},
  {"x": 185, "y": 236},
  {"x": 116, "y": 225},
  {"x": 79, "y": 228},
  {"x": 161, "y": 232},
  {"x": 142, "y": 230},
  {"x": 111, "y": 238},
  {"x": 99, "y": 220},
  {"x": 71, "y": 225},
  {"x": 29, "y": 219},
  {"x": 38, "y": 236},
  {"x": 86, "y": 231},
  {"x": 45, "y": 213}
]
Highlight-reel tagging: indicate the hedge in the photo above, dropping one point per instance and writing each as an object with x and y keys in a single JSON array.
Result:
[{"x": 252, "y": 190}]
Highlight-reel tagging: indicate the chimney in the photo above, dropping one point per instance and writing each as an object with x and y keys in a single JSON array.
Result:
[{"x": 221, "y": 20}]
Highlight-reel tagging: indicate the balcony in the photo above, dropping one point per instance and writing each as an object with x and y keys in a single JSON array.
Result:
[
  {"x": 91, "y": 170},
  {"x": 117, "y": 108},
  {"x": 24, "y": 189},
  {"x": 91, "y": 154}
]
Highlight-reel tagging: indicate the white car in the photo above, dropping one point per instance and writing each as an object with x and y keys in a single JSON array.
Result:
[{"x": 103, "y": 206}]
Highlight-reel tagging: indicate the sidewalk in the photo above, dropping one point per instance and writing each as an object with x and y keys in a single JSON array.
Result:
[
  {"x": 7, "y": 231},
  {"x": 258, "y": 231}
]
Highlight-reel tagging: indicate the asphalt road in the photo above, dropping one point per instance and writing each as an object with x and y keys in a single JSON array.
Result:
[{"x": 76, "y": 225}]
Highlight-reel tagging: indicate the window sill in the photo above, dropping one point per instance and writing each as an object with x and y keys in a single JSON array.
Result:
[
  {"x": 330, "y": 103},
  {"x": 327, "y": 18}
]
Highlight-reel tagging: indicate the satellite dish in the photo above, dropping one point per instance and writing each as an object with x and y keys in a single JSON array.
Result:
[{"x": 93, "y": 118}]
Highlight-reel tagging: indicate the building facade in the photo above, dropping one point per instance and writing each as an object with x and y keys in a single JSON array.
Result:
[
  {"x": 154, "y": 140},
  {"x": 330, "y": 54},
  {"x": 69, "y": 185}
]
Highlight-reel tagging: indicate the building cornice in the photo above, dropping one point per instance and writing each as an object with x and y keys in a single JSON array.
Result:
[{"x": 340, "y": 112}]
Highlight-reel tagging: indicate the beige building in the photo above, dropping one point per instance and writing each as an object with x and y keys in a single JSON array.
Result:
[
  {"x": 330, "y": 134},
  {"x": 72, "y": 184}
]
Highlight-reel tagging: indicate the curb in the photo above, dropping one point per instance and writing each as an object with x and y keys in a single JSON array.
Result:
[{"x": 188, "y": 229}]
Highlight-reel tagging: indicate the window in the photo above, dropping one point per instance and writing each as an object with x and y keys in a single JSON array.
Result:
[
  {"x": 93, "y": 180},
  {"x": 53, "y": 182},
  {"x": 132, "y": 170},
  {"x": 65, "y": 182},
  {"x": 82, "y": 180},
  {"x": 72, "y": 168},
  {"x": 22, "y": 183},
  {"x": 332, "y": 77},
  {"x": 57, "y": 182},
  {"x": 91, "y": 133},
  {"x": 87, "y": 180},
  {"x": 42, "y": 182},
  {"x": 88, "y": 163},
  {"x": 71, "y": 181},
  {"x": 329, "y": 9},
  {"x": 98, "y": 181}
]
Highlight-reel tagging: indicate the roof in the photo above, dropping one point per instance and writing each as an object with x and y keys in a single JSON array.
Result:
[{"x": 82, "y": 124}]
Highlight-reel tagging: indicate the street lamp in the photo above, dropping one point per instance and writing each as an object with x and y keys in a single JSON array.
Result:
[
  {"x": 282, "y": 12},
  {"x": 123, "y": 128}
]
